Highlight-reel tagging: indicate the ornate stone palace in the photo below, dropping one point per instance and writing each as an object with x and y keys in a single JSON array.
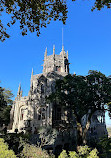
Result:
[{"x": 32, "y": 111}]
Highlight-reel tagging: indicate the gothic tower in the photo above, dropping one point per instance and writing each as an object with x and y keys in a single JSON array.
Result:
[{"x": 57, "y": 63}]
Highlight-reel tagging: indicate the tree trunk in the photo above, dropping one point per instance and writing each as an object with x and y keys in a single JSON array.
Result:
[
  {"x": 82, "y": 133},
  {"x": 84, "y": 136},
  {"x": 79, "y": 135}
]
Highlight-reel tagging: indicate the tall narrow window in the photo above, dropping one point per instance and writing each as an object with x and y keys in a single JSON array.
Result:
[
  {"x": 22, "y": 114},
  {"x": 42, "y": 88},
  {"x": 39, "y": 114}
]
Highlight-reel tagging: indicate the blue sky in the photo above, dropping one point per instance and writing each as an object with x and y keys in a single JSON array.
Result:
[{"x": 87, "y": 37}]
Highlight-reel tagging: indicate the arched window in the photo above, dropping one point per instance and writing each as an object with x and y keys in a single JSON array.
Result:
[
  {"x": 42, "y": 88},
  {"x": 22, "y": 114},
  {"x": 41, "y": 114}
]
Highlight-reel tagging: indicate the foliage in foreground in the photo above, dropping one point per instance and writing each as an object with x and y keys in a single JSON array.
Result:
[
  {"x": 104, "y": 148},
  {"x": 47, "y": 135},
  {"x": 33, "y": 152},
  {"x": 4, "y": 151},
  {"x": 16, "y": 141},
  {"x": 21, "y": 145},
  {"x": 33, "y": 14},
  {"x": 83, "y": 152}
]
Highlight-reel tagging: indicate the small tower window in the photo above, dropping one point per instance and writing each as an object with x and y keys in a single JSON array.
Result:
[
  {"x": 58, "y": 68},
  {"x": 43, "y": 116}
]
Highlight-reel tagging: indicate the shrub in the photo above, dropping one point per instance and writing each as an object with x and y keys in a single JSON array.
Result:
[
  {"x": 63, "y": 154},
  {"x": 83, "y": 152},
  {"x": 31, "y": 151},
  {"x": 4, "y": 151}
]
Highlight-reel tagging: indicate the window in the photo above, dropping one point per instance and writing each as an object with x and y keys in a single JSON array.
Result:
[
  {"x": 42, "y": 88},
  {"x": 39, "y": 114},
  {"x": 22, "y": 114},
  {"x": 43, "y": 116},
  {"x": 39, "y": 117},
  {"x": 58, "y": 68}
]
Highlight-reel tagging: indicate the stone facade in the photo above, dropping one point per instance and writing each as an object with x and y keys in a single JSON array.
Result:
[
  {"x": 32, "y": 111},
  {"x": 33, "y": 108}
]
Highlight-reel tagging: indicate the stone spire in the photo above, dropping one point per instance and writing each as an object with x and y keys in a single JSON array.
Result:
[
  {"x": 32, "y": 73},
  {"x": 19, "y": 89},
  {"x": 45, "y": 55},
  {"x": 19, "y": 93},
  {"x": 67, "y": 54},
  {"x": 53, "y": 49},
  {"x": 31, "y": 87}
]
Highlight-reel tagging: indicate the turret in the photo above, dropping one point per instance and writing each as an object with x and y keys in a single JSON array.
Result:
[
  {"x": 19, "y": 93},
  {"x": 19, "y": 89},
  {"x": 58, "y": 63}
]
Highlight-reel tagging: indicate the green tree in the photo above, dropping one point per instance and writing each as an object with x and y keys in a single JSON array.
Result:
[
  {"x": 82, "y": 95},
  {"x": 47, "y": 136},
  {"x": 83, "y": 152},
  {"x": 104, "y": 148},
  {"x": 4, "y": 151},
  {"x": 34, "y": 152},
  {"x": 34, "y": 14},
  {"x": 5, "y": 105}
]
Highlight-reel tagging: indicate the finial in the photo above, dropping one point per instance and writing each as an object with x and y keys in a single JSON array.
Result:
[
  {"x": 53, "y": 49},
  {"x": 45, "y": 52},
  {"x": 32, "y": 72},
  {"x": 62, "y": 48}
]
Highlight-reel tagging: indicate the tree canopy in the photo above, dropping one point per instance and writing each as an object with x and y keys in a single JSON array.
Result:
[
  {"x": 34, "y": 14},
  {"x": 82, "y": 95}
]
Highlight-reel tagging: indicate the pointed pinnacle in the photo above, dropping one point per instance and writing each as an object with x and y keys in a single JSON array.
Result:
[
  {"x": 19, "y": 88},
  {"x": 32, "y": 72},
  {"x": 46, "y": 52},
  {"x": 62, "y": 48},
  {"x": 53, "y": 49}
]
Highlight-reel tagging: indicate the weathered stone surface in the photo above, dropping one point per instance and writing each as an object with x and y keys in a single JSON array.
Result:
[{"x": 33, "y": 107}]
